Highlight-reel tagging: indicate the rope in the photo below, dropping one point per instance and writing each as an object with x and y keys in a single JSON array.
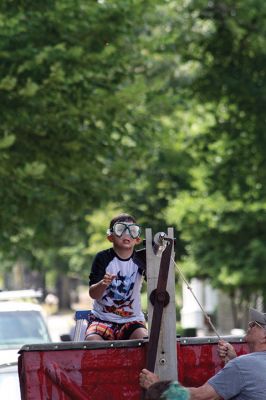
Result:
[{"x": 193, "y": 294}]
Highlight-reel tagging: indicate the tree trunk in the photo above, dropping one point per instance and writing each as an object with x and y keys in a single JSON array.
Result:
[{"x": 63, "y": 292}]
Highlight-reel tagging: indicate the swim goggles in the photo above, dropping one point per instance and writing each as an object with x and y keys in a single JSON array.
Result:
[{"x": 120, "y": 228}]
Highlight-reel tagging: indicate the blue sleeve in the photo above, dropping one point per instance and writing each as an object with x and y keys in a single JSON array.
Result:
[{"x": 228, "y": 381}]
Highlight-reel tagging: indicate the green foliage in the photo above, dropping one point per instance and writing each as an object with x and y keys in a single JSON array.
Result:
[
  {"x": 73, "y": 110},
  {"x": 155, "y": 108},
  {"x": 98, "y": 223},
  {"x": 222, "y": 215}
]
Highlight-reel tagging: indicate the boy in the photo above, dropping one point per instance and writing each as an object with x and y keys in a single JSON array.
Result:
[{"x": 115, "y": 284}]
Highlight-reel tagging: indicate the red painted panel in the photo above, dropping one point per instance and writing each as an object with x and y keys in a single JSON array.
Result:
[
  {"x": 81, "y": 374},
  {"x": 198, "y": 362},
  {"x": 111, "y": 373}
]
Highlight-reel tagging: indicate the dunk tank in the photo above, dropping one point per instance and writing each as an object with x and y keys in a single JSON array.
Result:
[{"x": 109, "y": 370}]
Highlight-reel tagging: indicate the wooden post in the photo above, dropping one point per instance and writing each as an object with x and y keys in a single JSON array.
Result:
[{"x": 166, "y": 360}]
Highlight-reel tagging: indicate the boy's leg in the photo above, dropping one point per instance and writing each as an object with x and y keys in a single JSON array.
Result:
[
  {"x": 93, "y": 337},
  {"x": 99, "y": 330},
  {"x": 132, "y": 330},
  {"x": 139, "y": 333}
]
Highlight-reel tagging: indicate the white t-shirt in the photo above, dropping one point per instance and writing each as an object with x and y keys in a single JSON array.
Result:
[{"x": 120, "y": 302}]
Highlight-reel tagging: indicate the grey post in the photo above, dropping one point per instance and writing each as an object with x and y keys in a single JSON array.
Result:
[{"x": 166, "y": 360}]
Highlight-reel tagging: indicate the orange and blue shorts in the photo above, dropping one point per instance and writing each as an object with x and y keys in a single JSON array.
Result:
[{"x": 111, "y": 330}]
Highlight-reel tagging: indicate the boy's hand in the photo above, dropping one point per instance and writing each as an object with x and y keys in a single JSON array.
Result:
[
  {"x": 108, "y": 279},
  {"x": 96, "y": 290},
  {"x": 226, "y": 351}
]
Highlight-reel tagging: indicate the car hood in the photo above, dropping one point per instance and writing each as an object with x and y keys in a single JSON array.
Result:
[
  {"x": 9, "y": 382},
  {"x": 9, "y": 356}
]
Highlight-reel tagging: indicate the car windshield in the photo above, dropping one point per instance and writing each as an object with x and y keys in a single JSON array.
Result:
[{"x": 22, "y": 327}]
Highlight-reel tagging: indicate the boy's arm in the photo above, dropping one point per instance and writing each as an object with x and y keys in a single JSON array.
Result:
[
  {"x": 97, "y": 289},
  {"x": 99, "y": 280}
]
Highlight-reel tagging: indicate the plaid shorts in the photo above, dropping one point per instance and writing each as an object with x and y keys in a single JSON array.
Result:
[{"x": 111, "y": 330}]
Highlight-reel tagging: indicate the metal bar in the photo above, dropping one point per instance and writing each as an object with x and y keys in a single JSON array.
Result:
[{"x": 159, "y": 305}]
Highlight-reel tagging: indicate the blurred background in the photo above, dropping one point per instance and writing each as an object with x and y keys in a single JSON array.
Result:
[{"x": 151, "y": 107}]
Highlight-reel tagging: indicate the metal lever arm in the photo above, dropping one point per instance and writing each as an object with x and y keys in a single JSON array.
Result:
[{"x": 160, "y": 298}]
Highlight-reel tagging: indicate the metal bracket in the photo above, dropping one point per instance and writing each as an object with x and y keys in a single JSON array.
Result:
[{"x": 160, "y": 297}]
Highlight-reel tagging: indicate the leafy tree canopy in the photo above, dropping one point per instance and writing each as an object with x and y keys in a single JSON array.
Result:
[
  {"x": 222, "y": 216},
  {"x": 152, "y": 107}
]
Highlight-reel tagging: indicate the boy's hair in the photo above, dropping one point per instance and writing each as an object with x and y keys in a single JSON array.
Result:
[
  {"x": 122, "y": 218},
  {"x": 156, "y": 390}
]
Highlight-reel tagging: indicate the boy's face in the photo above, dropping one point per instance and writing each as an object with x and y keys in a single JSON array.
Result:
[{"x": 125, "y": 234}]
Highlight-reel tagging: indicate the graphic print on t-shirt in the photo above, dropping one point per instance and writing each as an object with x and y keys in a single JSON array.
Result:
[
  {"x": 120, "y": 294},
  {"x": 121, "y": 301}
]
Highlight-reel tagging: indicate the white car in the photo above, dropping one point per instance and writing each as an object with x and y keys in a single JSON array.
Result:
[
  {"x": 9, "y": 381},
  {"x": 21, "y": 323}
]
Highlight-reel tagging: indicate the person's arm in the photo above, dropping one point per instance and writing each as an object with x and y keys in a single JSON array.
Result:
[
  {"x": 99, "y": 279},
  {"x": 226, "y": 351},
  {"x": 204, "y": 392},
  {"x": 97, "y": 290}
]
